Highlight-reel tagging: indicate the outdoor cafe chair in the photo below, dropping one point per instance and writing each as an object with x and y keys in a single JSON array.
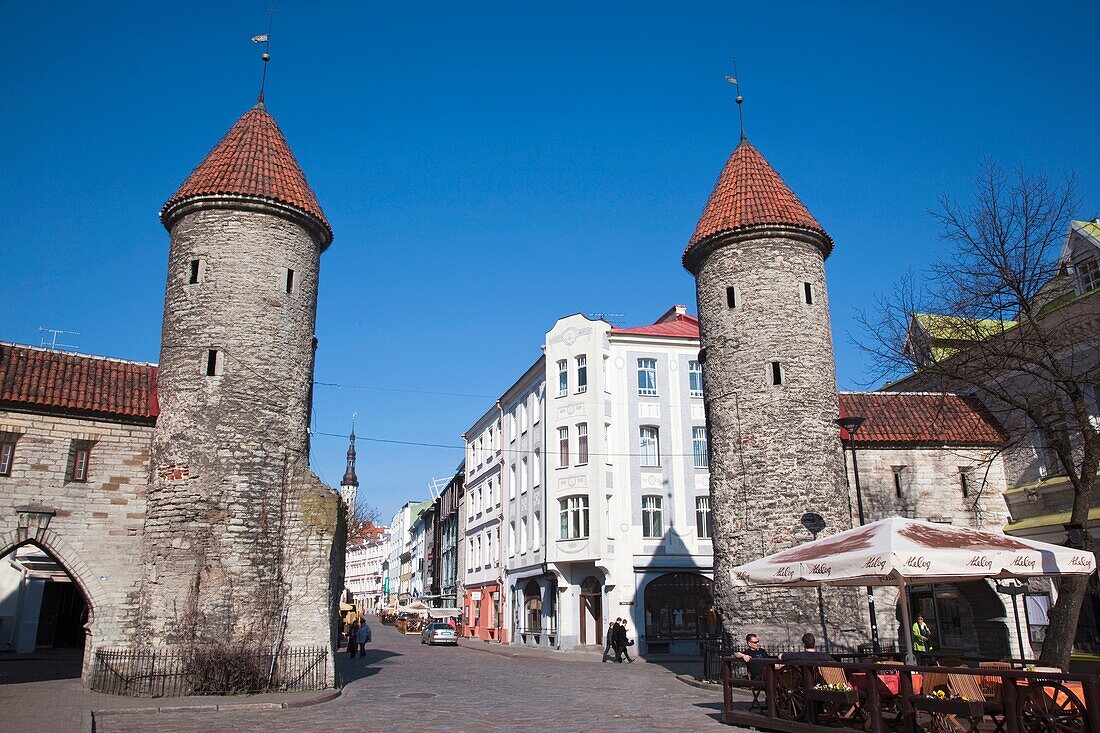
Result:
[
  {"x": 969, "y": 687},
  {"x": 991, "y": 684}
]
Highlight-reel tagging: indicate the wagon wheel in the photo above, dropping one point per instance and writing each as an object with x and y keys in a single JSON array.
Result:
[
  {"x": 1051, "y": 707},
  {"x": 790, "y": 698}
]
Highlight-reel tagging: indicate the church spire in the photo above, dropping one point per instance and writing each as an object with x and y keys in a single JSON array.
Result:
[{"x": 350, "y": 479}]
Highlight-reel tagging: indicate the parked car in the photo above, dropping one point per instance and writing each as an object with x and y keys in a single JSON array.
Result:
[{"x": 438, "y": 633}]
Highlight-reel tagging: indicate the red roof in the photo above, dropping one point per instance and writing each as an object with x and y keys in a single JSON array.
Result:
[
  {"x": 676, "y": 323},
  {"x": 750, "y": 193},
  {"x": 921, "y": 417},
  {"x": 254, "y": 160},
  {"x": 42, "y": 378}
]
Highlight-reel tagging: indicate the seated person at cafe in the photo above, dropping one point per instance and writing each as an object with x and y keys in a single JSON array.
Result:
[
  {"x": 809, "y": 655},
  {"x": 753, "y": 652}
]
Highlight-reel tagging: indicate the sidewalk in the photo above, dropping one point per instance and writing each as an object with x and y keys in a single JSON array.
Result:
[
  {"x": 678, "y": 665},
  {"x": 42, "y": 692}
]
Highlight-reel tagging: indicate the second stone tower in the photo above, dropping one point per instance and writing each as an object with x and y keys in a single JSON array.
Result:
[{"x": 758, "y": 257}]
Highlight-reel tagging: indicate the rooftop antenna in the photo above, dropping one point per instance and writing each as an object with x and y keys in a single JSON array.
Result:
[
  {"x": 608, "y": 317},
  {"x": 265, "y": 38},
  {"x": 436, "y": 485},
  {"x": 739, "y": 99},
  {"x": 50, "y": 341}
]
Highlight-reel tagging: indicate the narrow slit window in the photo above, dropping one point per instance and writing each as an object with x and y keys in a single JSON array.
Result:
[
  {"x": 289, "y": 280},
  {"x": 7, "y": 456},
  {"x": 776, "y": 372},
  {"x": 195, "y": 275},
  {"x": 213, "y": 363},
  {"x": 808, "y": 293},
  {"x": 897, "y": 481},
  {"x": 964, "y": 482},
  {"x": 733, "y": 297},
  {"x": 81, "y": 456}
]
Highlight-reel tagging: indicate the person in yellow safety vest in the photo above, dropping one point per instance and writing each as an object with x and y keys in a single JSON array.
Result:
[{"x": 922, "y": 638}]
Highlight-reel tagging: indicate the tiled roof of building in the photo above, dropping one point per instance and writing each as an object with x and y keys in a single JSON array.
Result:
[
  {"x": 928, "y": 418},
  {"x": 59, "y": 381},
  {"x": 252, "y": 160},
  {"x": 749, "y": 193},
  {"x": 681, "y": 326}
]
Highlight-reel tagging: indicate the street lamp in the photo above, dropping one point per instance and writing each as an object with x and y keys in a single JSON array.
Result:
[
  {"x": 851, "y": 424},
  {"x": 814, "y": 523}
]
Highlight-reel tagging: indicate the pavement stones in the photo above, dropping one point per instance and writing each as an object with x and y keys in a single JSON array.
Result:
[{"x": 402, "y": 685}]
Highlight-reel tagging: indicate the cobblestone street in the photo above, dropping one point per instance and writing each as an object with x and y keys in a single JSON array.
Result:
[{"x": 402, "y": 685}]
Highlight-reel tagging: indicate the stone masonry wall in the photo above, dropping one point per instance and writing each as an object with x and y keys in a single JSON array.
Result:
[
  {"x": 775, "y": 450},
  {"x": 215, "y": 529},
  {"x": 96, "y": 533}
]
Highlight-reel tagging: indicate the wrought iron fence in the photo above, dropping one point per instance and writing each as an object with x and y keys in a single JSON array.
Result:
[
  {"x": 713, "y": 652},
  {"x": 174, "y": 672}
]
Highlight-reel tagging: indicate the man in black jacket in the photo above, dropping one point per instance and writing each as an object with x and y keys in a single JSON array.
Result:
[
  {"x": 621, "y": 647},
  {"x": 609, "y": 638}
]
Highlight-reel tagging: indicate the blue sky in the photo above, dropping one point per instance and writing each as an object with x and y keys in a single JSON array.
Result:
[{"x": 489, "y": 167}]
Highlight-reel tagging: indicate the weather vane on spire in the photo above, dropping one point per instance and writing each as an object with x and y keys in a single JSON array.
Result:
[
  {"x": 265, "y": 38},
  {"x": 739, "y": 99}
]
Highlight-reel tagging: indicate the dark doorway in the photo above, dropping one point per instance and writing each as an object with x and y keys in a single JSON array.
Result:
[{"x": 62, "y": 616}]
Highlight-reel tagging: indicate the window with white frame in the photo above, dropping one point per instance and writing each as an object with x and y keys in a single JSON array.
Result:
[
  {"x": 563, "y": 378},
  {"x": 704, "y": 530},
  {"x": 699, "y": 447},
  {"x": 512, "y": 426},
  {"x": 523, "y": 476},
  {"x": 649, "y": 450},
  {"x": 536, "y": 468},
  {"x": 574, "y": 517},
  {"x": 512, "y": 482},
  {"x": 1092, "y": 404},
  {"x": 695, "y": 379},
  {"x": 7, "y": 454},
  {"x": 511, "y": 539},
  {"x": 652, "y": 526},
  {"x": 1088, "y": 274},
  {"x": 607, "y": 374},
  {"x": 536, "y": 532},
  {"x": 523, "y": 537},
  {"x": 647, "y": 377},
  {"x": 538, "y": 409},
  {"x": 491, "y": 446},
  {"x": 1044, "y": 457},
  {"x": 523, "y": 417},
  {"x": 582, "y": 443},
  {"x": 563, "y": 447},
  {"x": 582, "y": 373}
]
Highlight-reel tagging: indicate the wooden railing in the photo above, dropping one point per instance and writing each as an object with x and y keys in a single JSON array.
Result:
[{"x": 797, "y": 698}]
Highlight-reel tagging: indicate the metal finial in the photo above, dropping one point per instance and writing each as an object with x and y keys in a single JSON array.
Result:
[
  {"x": 739, "y": 99},
  {"x": 265, "y": 56}
]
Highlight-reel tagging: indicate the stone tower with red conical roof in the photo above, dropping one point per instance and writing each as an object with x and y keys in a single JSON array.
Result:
[
  {"x": 239, "y": 534},
  {"x": 758, "y": 257}
]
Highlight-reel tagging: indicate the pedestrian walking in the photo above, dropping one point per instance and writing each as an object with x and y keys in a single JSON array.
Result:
[
  {"x": 362, "y": 637},
  {"x": 609, "y": 637},
  {"x": 624, "y": 642},
  {"x": 353, "y": 638}
]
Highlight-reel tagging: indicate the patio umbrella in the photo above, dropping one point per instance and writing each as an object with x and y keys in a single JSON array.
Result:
[{"x": 901, "y": 552}]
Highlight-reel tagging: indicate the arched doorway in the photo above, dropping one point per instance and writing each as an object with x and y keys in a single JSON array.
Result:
[
  {"x": 679, "y": 607},
  {"x": 42, "y": 607},
  {"x": 591, "y": 612}
]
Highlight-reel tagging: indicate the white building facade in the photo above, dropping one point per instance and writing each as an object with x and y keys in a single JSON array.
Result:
[
  {"x": 483, "y": 602},
  {"x": 363, "y": 572}
]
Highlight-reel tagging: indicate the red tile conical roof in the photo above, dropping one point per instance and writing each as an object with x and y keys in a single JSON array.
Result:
[
  {"x": 252, "y": 160},
  {"x": 750, "y": 193}
]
